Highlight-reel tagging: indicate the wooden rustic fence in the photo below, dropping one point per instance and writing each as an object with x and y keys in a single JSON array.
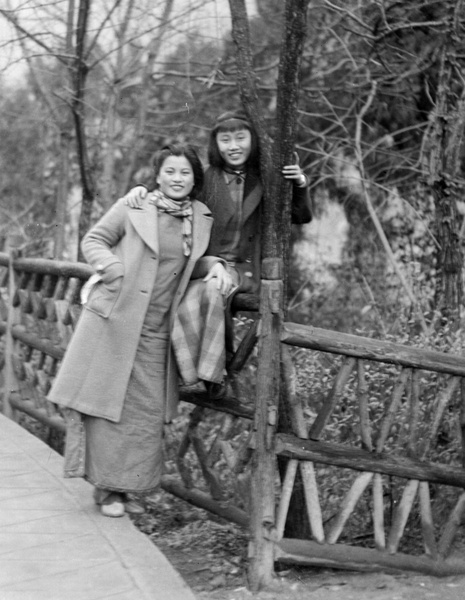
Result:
[{"x": 375, "y": 444}]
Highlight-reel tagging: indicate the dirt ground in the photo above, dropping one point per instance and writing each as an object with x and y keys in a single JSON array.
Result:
[
  {"x": 210, "y": 555},
  {"x": 211, "y": 581}
]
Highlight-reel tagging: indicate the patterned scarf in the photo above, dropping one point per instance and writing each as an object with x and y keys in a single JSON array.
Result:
[{"x": 177, "y": 209}]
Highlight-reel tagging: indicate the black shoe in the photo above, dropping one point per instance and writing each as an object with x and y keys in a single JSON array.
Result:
[{"x": 215, "y": 391}]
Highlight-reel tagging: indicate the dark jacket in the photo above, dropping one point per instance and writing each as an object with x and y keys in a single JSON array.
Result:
[{"x": 223, "y": 239}]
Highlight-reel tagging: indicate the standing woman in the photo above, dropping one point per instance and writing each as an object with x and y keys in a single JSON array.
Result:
[{"x": 118, "y": 375}]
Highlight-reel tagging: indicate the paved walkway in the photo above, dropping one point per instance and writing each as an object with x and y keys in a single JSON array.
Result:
[{"x": 54, "y": 544}]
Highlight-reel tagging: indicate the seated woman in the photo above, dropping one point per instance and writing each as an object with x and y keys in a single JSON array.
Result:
[
  {"x": 233, "y": 191},
  {"x": 118, "y": 375}
]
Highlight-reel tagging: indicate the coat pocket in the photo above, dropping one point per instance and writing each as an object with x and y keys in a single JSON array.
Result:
[{"x": 102, "y": 297}]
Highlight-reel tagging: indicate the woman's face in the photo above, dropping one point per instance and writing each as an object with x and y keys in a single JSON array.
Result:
[
  {"x": 234, "y": 147},
  {"x": 176, "y": 177}
]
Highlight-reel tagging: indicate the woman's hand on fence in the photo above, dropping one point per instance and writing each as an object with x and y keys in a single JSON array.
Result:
[
  {"x": 224, "y": 281},
  {"x": 135, "y": 197}
]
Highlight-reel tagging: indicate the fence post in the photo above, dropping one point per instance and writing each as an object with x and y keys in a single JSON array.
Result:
[
  {"x": 261, "y": 548},
  {"x": 10, "y": 382}
]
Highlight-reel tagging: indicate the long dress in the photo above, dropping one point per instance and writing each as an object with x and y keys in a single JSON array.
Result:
[{"x": 128, "y": 456}]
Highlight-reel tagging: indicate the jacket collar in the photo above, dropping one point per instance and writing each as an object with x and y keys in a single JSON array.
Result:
[
  {"x": 252, "y": 200},
  {"x": 218, "y": 192}
]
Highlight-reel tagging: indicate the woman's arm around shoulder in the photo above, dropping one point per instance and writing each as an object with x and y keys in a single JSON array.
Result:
[{"x": 136, "y": 196}]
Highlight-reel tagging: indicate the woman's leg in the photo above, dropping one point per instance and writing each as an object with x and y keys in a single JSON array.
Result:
[{"x": 198, "y": 335}]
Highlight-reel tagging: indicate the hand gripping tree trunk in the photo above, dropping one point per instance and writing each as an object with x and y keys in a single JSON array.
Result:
[{"x": 275, "y": 250}]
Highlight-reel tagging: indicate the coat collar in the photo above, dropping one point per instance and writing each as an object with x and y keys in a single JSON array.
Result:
[
  {"x": 145, "y": 222},
  {"x": 202, "y": 221}
]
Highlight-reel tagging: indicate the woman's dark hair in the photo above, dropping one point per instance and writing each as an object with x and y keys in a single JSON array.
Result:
[
  {"x": 190, "y": 153},
  {"x": 230, "y": 122}
]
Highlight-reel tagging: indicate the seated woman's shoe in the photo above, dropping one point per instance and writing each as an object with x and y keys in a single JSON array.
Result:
[
  {"x": 133, "y": 508},
  {"x": 215, "y": 391}
]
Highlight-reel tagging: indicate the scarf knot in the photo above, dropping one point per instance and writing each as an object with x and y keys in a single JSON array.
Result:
[
  {"x": 182, "y": 210},
  {"x": 237, "y": 175}
]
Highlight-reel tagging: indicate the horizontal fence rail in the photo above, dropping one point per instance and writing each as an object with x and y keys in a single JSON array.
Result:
[{"x": 347, "y": 344}]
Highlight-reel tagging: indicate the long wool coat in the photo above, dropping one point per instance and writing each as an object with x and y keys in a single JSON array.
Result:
[{"x": 123, "y": 246}]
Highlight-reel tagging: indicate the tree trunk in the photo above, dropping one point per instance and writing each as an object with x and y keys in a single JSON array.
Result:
[
  {"x": 261, "y": 550},
  {"x": 276, "y": 217},
  {"x": 65, "y": 148},
  {"x": 445, "y": 155},
  {"x": 247, "y": 83},
  {"x": 62, "y": 195},
  {"x": 295, "y": 27},
  {"x": 295, "y": 21},
  {"x": 77, "y": 107}
]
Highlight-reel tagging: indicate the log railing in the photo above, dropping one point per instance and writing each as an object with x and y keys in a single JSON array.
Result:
[
  {"x": 375, "y": 441},
  {"x": 408, "y": 428}
]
